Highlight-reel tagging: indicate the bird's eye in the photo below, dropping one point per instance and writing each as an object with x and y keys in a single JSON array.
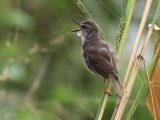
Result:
[{"x": 84, "y": 26}]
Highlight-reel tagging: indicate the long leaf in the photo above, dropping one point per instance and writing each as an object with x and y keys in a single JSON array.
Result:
[{"x": 153, "y": 100}]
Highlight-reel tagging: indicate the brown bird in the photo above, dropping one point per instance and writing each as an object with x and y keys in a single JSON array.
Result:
[{"x": 97, "y": 55}]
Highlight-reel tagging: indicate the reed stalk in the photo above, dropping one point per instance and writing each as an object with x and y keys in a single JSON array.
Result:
[
  {"x": 137, "y": 41},
  {"x": 132, "y": 77}
]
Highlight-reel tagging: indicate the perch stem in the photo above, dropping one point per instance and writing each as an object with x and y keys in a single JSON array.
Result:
[
  {"x": 137, "y": 41},
  {"x": 132, "y": 76}
]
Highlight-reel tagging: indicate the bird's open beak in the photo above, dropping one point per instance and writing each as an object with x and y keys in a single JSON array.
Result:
[
  {"x": 78, "y": 23},
  {"x": 75, "y": 30}
]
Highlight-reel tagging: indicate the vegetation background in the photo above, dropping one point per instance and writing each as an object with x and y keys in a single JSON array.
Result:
[{"x": 42, "y": 76}]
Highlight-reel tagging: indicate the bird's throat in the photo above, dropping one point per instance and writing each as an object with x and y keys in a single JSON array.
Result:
[{"x": 79, "y": 34}]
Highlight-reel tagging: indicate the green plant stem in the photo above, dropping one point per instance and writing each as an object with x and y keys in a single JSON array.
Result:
[
  {"x": 129, "y": 11},
  {"x": 128, "y": 14},
  {"x": 132, "y": 77},
  {"x": 127, "y": 20},
  {"x": 137, "y": 41},
  {"x": 136, "y": 101},
  {"x": 102, "y": 106}
]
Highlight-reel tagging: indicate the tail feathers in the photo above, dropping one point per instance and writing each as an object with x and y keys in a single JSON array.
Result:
[
  {"x": 117, "y": 85},
  {"x": 115, "y": 75},
  {"x": 119, "y": 90}
]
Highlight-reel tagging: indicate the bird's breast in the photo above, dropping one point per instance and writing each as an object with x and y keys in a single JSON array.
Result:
[{"x": 88, "y": 63}]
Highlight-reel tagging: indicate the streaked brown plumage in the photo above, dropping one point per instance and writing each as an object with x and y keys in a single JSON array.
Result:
[{"x": 97, "y": 55}]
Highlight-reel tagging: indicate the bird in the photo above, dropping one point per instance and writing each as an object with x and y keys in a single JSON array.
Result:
[{"x": 97, "y": 55}]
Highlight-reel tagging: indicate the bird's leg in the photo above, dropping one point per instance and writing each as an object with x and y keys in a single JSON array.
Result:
[{"x": 105, "y": 89}]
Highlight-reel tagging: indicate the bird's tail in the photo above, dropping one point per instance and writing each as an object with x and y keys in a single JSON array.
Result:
[
  {"x": 119, "y": 90},
  {"x": 117, "y": 85}
]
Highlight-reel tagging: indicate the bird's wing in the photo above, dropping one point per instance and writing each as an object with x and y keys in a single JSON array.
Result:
[
  {"x": 101, "y": 60},
  {"x": 110, "y": 54}
]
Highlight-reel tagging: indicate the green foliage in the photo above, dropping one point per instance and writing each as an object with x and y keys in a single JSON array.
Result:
[{"x": 33, "y": 30}]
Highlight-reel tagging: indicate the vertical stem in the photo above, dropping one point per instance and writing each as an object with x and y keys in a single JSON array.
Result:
[
  {"x": 139, "y": 35},
  {"x": 128, "y": 14},
  {"x": 132, "y": 78},
  {"x": 102, "y": 106},
  {"x": 127, "y": 20},
  {"x": 151, "y": 91}
]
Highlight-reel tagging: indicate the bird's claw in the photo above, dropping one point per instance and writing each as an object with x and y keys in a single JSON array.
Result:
[{"x": 106, "y": 92}]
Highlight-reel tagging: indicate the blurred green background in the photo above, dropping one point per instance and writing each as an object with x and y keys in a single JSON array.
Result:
[{"x": 42, "y": 76}]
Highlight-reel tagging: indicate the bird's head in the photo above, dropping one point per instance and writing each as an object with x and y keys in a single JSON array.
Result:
[{"x": 87, "y": 29}]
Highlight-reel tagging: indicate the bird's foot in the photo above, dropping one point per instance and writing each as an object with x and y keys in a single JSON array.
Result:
[{"x": 106, "y": 92}]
